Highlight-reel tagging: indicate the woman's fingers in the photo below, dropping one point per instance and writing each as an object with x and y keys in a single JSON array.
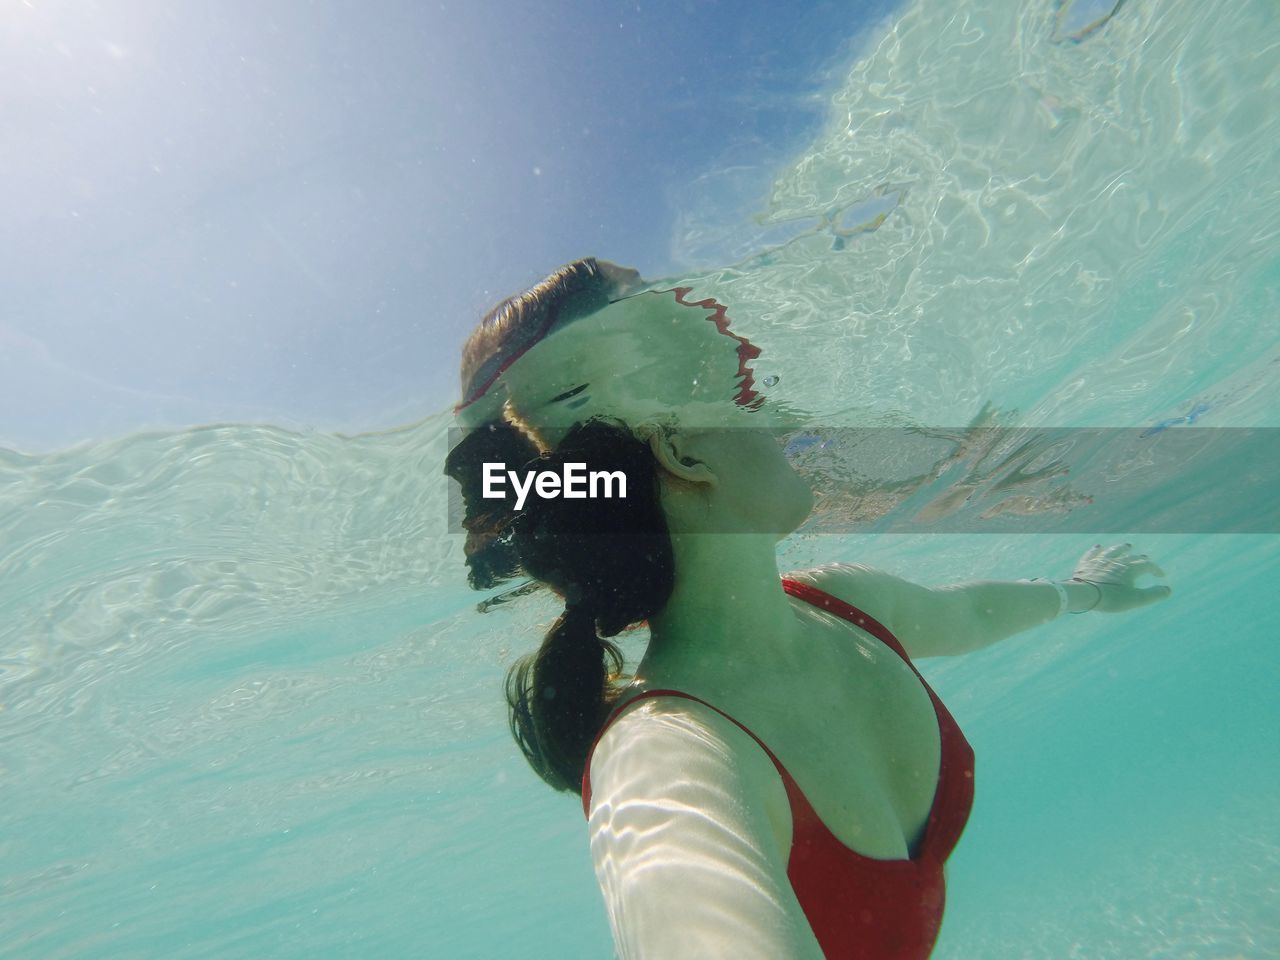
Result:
[
  {"x": 1112, "y": 565},
  {"x": 1101, "y": 552},
  {"x": 1107, "y": 570},
  {"x": 1145, "y": 564}
]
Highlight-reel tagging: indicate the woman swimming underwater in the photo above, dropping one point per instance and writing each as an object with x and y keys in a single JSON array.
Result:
[{"x": 776, "y": 780}]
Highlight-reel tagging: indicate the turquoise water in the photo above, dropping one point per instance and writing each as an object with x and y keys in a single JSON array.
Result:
[{"x": 248, "y": 707}]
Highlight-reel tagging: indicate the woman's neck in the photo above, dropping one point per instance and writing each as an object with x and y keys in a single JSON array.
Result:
[{"x": 728, "y": 618}]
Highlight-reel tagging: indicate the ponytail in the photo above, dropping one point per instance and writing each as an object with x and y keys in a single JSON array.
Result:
[
  {"x": 612, "y": 561},
  {"x": 560, "y": 696}
]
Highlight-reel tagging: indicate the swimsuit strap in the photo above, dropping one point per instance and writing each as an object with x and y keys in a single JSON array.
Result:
[{"x": 847, "y": 611}]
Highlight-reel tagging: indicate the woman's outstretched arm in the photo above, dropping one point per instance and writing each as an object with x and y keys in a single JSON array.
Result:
[
  {"x": 689, "y": 860},
  {"x": 962, "y": 617}
]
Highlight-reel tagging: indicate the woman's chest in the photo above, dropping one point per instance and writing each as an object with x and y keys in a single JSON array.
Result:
[{"x": 860, "y": 737}]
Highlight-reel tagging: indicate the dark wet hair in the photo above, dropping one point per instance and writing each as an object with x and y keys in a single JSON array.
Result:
[{"x": 609, "y": 558}]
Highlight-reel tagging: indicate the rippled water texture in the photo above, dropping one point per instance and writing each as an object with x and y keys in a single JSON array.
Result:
[
  {"x": 247, "y": 705},
  {"x": 1083, "y": 232}
]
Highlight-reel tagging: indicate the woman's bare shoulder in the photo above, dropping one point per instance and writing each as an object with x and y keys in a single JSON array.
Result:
[
  {"x": 834, "y": 572},
  {"x": 867, "y": 588},
  {"x": 921, "y": 618}
]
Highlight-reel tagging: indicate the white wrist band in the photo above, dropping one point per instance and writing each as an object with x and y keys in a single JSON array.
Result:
[{"x": 1062, "y": 593}]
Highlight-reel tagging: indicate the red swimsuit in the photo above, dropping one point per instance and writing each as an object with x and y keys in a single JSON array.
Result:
[{"x": 861, "y": 908}]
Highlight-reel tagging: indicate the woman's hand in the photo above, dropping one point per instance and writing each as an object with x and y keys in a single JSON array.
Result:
[{"x": 1113, "y": 572}]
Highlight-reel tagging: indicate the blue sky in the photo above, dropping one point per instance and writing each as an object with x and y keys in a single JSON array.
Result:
[{"x": 294, "y": 212}]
